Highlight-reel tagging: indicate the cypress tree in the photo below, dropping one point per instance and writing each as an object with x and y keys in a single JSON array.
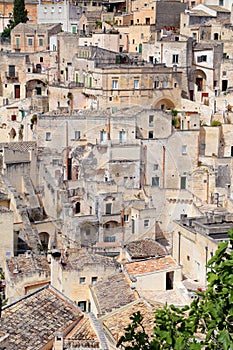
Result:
[{"x": 19, "y": 12}]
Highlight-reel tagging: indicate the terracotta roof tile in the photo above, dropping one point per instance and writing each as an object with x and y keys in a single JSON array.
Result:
[
  {"x": 116, "y": 322},
  {"x": 32, "y": 320},
  {"x": 143, "y": 249},
  {"x": 150, "y": 265},
  {"x": 112, "y": 293},
  {"x": 26, "y": 265}
]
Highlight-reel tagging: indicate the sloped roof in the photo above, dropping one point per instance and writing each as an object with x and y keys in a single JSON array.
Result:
[
  {"x": 87, "y": 334},
  {"x": 112, "y": 292},
  {"x": 115, "y": 322},
  {"x": 151, "y": 265},
  {"x": 145, "y": 248},
  {"x": 25, "y": 265},
  {"x": 78, "y": 258},
  {"x": 32, "y": 321}
]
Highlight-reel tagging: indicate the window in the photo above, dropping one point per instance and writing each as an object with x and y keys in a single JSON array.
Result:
[
  {"x": 183, "y": 182},
  {"x": 108, "y": 208},
  {"x": 215, "y": 36},
  {"x": 77, "y": 135},
  {"x": 155, "y": 181},
  {"x": 11, "y": 71},
  {"x": 74, "y": 29},
  {"x": 94, "y": 280},
  {"x": 82, "y": 280},
  {"x": 221, "y": 2},
  {"x": 133, "y": 41},
  {"x": 224, "y": 74},
  {"x": 114, "y": 84},
  {"x": 122, "y": 136},
  {"x": 136, "y": 84},
  {"x": 175, "y": 58},
  {"x": 103, "y": 136},
  {"x": 17, "y": 41},
  {"x": 184, "y": 149},
  {"x": 59, "y": 9},
  {"x": 29, "y": 41},
  {"x": 52, "y": 9},
  {"x": 133, "y": 225},
  {"x": 156, "y": 84},
  {"x": 151, "y": 120},
  {"x": 165, "y": 84},
  {"x": 88, "y": 232},
  {"x": 41, "y": 43},
  {"x": 109, "y": 239},
  {"x": 45, "y": 9},
  {"x": 126, "y": 218},
  {"x": 202, "y": 58},
  {"x": 82, "y": 305},
  {"x": 13, "y": 117},
  {"x": 156, "y": 166},
  {"x": 48, "y": 136},
  {"x": 150, "y": 135},
  {"x": 142, "y": 36},
  {"x": 195, "y": 36},
  {"x": 146, "y": 223}
]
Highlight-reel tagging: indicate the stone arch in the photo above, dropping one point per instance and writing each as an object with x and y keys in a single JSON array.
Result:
[
  {"x": 200, "y": 79},
  {"x": 12, "y": 134},
  {"x": 37, "y": 85},
  {"x": 44, "y": 239},
  {"x": 164, "y": 103}
]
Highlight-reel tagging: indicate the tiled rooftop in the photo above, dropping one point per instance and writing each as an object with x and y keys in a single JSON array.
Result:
[
  {"x": 26, "y": 265},
  {"x": 18, "y": 146},
  {"x": 79, "y": 258},
  {"x": 82, "y": 336},
  {"x": 145, "y": 249},
  {"x": 150, "y": 265},
  {"x": 112, "y": 293},
  {"x": 115, "y": 322},
  {"x": 32, "y": 320}
]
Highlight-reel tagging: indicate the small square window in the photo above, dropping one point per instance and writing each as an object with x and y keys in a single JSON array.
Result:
[
  {"x": 136, "y": 84},
  {"x": 48, "y": 136},
  {"x": 156, "y": 166},
  {"x": 175, "y": 58},
  {"x": 77, "y": 135},
  {"x": 156, "y": 84},
  {"x": 94, "y": 280},
  {"x": 82, "y": 280},
  {"x": 150, "y": 135},
  {"x": 184, "y": 149},
  {"x": 114, "y": 84},
  {"x": 151, "y": 120},
  {"x": 108, "y": 208},
  {"x": 155, "y": 181},
  {"x": 146, "y": 223},
  {"x": 126, "y": 218},
  {"x": 29, "y": 41}
]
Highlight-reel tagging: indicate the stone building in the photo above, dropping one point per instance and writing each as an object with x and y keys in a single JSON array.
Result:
[{"x": 196, "y": 240}]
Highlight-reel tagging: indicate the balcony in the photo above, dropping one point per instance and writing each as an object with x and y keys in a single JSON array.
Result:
[{"x": 11, "y": 75}]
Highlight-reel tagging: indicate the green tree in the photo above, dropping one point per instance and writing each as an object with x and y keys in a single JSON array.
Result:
[
  {"x": 211, "y": 315},
  {"x": 19, "y": 12},
  {"x": 19, "y": 16}
]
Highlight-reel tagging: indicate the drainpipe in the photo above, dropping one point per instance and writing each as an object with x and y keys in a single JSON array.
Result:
[
  {"x": 179, "y": 242},
  {"x": 163, "y": 165},
  {"x": 206, "y": 261},
  {"x": 161, "y": 55},
  {"x": 207, "y": 186}
]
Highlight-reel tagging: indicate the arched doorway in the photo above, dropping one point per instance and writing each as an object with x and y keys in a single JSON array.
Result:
[
  {"x": 44, "y": 239},
  {"x": 12, "y": 134},
  {"x": 164, "y": 104},
  {"x": 35, "y": 85},
  {"x": 200, "y": 79}
]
